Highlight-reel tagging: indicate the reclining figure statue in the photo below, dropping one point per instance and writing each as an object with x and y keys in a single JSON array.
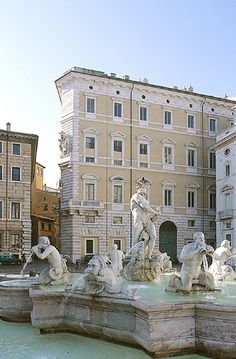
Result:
[{"x": 194, "y": 274}]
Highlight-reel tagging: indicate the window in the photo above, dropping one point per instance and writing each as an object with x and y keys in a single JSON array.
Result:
[
  {"x": 89, "y": 191},
  {"x": 0, "y": 172},
  {"x": 228, "y": 237},
  {"x": 191, "y": 223},
  {"x": 212, "y": 224},
  {"x": 143, "y": 148},
  {"x": 0, "y": 147},
  {"x": 212, "y": 160},
  {"x": 117, "y": 146},
  {"x": 227, "y": 170},
  {"x": 117, "y": 220},
  {"x": 89, "y": 246},
  {"x": 168, "y": 155},
  {"x": 191, "y": 199},
  {"x": 212, "y": 199},
  {"x": 15, "y": 240},
  {"x": 45, "y": 207},
  {"x": 168, "y": 197},
  {"x": 191, "y": 121},
  {"x": 117, "y": 109},
  {"x": 90, "y": 159},
  {"x": 1, "y": 209},
  {"x": 90, "y": 142},
  {"x": 42, "y": 226},
  {"x": 49, "y": 226},
  {"x": 90, "y": 105},
  {"x": 142, "y": 113},
  {"x": 118, "y": 243},
  {"x": 16, "y": 149},
  {"x": 89, "y": 219},
  {"x": 117, "y": 196},
  {"x": 228, "y": 225},
  {"x": 167, "y": 118},
  {"x": 191, "y": 158},
  {"x": 15, "y": 175},
  {"x": 212, "y": 125},
  {"x": 227, "y": 201},
  {"x": 15, "y": 210}
]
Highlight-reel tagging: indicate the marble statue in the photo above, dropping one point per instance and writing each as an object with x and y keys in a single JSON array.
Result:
[
  {"x": 194, "y": 274},
  {"x": 142, "y": 264},
  {"x": 144, "y": 217},
  {"x": 116, "y": 257},
  {"x": 57, "y": 272},
  {"x": 98, "y": 277},
  {"x": 64, "y": 144},
  {"x": 222, "y": 260}
]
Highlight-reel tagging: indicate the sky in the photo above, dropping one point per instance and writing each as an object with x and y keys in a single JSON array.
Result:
[{"x": 171, "y": 43}]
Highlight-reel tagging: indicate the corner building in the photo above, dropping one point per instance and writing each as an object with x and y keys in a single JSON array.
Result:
[{"x": 114, "y": 131}]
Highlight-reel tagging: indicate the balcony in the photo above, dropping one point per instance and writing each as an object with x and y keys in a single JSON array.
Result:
[{"x": 227, "y": 213}]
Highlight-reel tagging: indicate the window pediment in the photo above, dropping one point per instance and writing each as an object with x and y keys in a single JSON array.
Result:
[
  {"x": 144, "y": 138},
  {"x": 168, "y": 141},
  {"x": 192, "y": 185},
  {"x": 90, "y": 130},
  {"x": 168, "y": 183},
  {"x": 117, "y": 134},
  {"x": 191, "y": 144},
  {"x": 89, "y": 176}
]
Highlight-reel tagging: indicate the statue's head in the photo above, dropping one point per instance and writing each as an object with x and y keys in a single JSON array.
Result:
[
  {"x": 114, "y": 246},
  {"x": 142, "y": 186},
  {"x": 225, "y": 243},
  {"x": 96, "y": 264},
  {"x": 198, "y": 238},
  {"x": 43, "y": 242}
]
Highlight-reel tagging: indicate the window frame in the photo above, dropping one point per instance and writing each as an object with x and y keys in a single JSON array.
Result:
[
  {"x": 16, "y": 180},
  {"x": 14, "y": 209},
  {"x": 90, "y": 114},
  {"x": 14, "y": 146}
]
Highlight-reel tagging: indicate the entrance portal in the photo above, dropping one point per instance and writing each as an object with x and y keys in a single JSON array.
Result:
[{"x": 168, "y": 239}]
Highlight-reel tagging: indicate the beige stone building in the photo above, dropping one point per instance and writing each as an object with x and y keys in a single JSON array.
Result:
[
  {"x": 45, "y": 216},
  {"x": 17, "y": 166},
  {"x": 115, "y": 131}
]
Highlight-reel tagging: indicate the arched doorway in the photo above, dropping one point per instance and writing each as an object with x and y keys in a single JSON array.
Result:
[{"x": 168, "y": 239}]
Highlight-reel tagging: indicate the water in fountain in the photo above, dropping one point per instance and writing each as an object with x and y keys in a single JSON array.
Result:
[{"x": 26, "y": 263}]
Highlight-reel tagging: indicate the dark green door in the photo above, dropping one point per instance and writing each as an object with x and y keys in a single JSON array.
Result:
[{"x": 168, "y": 239}]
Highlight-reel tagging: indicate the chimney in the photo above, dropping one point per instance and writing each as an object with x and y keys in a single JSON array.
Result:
[{"x": 8, "y": 126}]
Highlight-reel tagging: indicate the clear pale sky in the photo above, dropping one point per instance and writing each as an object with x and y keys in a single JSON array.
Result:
[{"x": 172, "y": 43}]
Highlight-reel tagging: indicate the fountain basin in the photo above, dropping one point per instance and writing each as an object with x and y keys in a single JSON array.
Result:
[
  {"x": 163, "y": 329},
  {"x": 15, "y": 302}
]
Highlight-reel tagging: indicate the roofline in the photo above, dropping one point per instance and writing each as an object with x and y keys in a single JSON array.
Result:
[{"x": 98, "y": 74}]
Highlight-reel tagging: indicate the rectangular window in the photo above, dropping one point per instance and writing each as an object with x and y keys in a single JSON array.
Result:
[
  {"x": 228, "y": 237},
  {"x": 15, "y": 175},
  {"x": 118, "y": 243},
  {"x": 143, "y": 113},
  {"x": 191, "y": 223},
  {"x": 191, "y": 199},
  {"x": 168, "y": 197},
  {"x": 117, "y": 220},
  {"x": 90, "y": 159},
  {"x": 15, "y": 210},
  {"x": 168, "y": 155},
  {"x": 212, "y": 224},
  {"x": 212, "y": 124},
  {"x": 212, "y": 200},
  {"x": 191, "y": 121},
  {"x": 16, "y": 149},
  {"x": 91, "y": 105},
  {"x": 118, "y": 162},
  {"x": 15, "y": 240},
  {"x": 49, "y": 226},
  {"x": 167, "y": 118},
  {"x": 117, "y": 194},
  {"x": 191, "y": 158},
  {"x": 0, "y": 172},
  {"x": 0, "y": 209},
  {"x": 227, "y": 170},
  {"x": 143, "y": 148},
  {"x": 90, "y": 142},
  {"x": 89, "y": 191},
  {"x": 117, "y": 146},
  {"x": 227, "y": 201},
  {"x": 0, "y": 147},
  {"x": 143, "y": 164},
  {"x": 212, "y": 160},
  {"x": 117, "y": 109},
  {"x": 228, "y": 225},
  {"x": 42, "y": 226},
  {"x": 89, "y": 219},
  {"x": 89, "y": 246}
]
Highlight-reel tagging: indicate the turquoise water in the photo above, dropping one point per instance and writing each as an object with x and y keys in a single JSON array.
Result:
[{"x": 22, "y": 341}]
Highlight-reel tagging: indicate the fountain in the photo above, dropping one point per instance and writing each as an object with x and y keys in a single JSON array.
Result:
[{"x": 192, "y": 316}]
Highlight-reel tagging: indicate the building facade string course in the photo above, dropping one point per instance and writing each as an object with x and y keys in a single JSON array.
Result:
[{"x": 115, "y": 131}]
